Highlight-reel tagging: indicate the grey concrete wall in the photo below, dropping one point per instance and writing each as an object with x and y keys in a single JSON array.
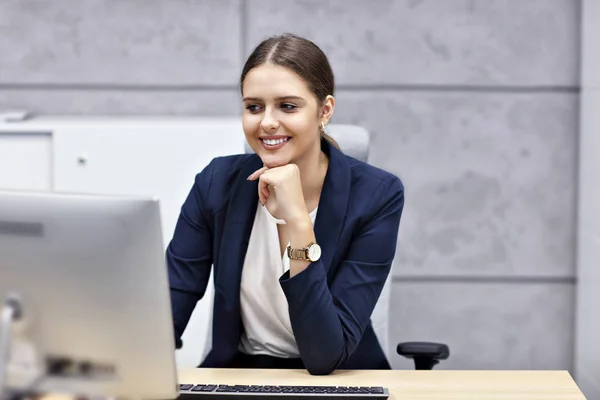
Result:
[{"x": 473, "y": 103}]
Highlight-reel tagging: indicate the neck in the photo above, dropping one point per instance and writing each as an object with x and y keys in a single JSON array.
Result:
[{"x": 313, "y": 168}]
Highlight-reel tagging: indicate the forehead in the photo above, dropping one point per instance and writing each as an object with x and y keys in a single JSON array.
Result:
[{"x": 269, "y": 80}]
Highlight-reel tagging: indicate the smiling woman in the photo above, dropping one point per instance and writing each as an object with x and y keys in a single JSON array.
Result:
[{"x": 301, "y": 236}]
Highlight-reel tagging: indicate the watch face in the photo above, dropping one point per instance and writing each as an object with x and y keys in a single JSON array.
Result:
[{"x": 314, "y": 252}]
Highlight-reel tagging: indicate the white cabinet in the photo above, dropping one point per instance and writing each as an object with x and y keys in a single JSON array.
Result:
[
  {"x": 25, "y": 160},
  {"x": 143, "y": 156}
]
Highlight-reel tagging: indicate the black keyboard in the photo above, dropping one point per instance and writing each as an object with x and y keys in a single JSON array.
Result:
[{"x": 238, "y": 392}]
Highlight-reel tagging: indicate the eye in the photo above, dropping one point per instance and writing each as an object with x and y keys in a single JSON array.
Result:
[
  {"x": 253, "y": 108},
  {"x": 288, "y": 106}
]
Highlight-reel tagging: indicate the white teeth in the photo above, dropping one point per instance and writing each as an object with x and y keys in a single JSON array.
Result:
[{"x": 274, "y": 142}]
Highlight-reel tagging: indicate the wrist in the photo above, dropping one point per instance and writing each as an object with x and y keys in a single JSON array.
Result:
[{"x": 299, "y": 222}]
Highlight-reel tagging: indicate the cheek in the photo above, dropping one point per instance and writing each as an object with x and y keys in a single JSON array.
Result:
[
  {"x": 303, "y": 126},
  {"x": 250, "y": 124}
]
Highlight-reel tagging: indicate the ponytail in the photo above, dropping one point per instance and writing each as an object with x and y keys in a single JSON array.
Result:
[{"x": 330, "y": 140}]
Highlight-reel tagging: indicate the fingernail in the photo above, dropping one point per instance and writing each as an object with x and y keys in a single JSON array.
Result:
[{"x": 250, "y": 176}]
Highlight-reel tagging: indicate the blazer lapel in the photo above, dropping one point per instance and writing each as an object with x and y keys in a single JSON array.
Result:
[
  {"x": 332, "y": 204},
  {"x": 236, "y": 235}
]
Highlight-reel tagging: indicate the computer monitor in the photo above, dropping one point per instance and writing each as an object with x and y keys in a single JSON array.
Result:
[{"x": 90, "y": 277}]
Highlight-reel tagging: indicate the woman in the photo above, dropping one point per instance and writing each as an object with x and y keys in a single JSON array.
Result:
[{"x": 301, "y": 236}]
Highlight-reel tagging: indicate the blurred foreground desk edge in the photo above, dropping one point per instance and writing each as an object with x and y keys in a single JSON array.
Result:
[{"x": 434, "y": 385}]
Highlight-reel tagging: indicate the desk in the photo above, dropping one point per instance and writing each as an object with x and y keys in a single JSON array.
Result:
[{"x": 436, "y": 384}]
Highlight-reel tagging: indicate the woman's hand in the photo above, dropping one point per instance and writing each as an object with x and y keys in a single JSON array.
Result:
[{"x": 280, "y": 190}]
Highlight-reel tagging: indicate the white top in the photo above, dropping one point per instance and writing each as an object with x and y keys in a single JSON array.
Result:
[{"x": 264, "y": 307}]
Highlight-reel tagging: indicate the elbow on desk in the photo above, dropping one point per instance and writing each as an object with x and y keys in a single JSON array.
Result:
[
  {"x": 319, "y": 370},
  {"x": 321, "y": 366},
  {"x": 327, "y": 356}
]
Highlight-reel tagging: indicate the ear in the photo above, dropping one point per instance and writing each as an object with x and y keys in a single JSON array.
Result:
[{"x": 327, "y": 109}]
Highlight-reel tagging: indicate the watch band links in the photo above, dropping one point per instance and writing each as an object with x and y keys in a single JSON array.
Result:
[{"x": 297, "y": 254}]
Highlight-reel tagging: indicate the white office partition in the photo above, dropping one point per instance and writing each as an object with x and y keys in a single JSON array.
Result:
[{"x": 133, "y": 156}]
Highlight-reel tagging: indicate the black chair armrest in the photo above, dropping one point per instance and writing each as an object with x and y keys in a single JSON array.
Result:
[{"x": 425, "y": 354}]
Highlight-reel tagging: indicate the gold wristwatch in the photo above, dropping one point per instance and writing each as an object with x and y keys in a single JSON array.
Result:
[{"x": 311, "y": 253}]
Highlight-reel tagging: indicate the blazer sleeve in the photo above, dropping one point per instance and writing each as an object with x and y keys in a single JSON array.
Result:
[
  {"x": 189, "y": 254},
  {"x": 328, "y": 322}
]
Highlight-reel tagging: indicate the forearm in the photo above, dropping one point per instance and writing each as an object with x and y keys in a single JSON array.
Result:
[
  {"x": 318, "y": 328},
  {"x": 182, "y": 306},
  {"x": 301, "y": 234}
]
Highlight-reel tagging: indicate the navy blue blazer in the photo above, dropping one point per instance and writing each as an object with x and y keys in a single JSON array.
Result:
[{"x": 331, "y": 301}]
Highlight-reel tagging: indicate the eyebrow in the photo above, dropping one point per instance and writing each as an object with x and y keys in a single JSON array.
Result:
[{"x": 278, "y": 98}]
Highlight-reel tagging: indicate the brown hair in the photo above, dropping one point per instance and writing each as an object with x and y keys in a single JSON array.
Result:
[{"x": 301, "y": 56}]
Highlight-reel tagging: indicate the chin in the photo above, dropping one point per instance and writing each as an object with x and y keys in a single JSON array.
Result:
[{"x": 273, "y": 161}]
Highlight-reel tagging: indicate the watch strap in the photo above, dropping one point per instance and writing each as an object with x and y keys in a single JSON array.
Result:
[{"x": 298, "y": 254}]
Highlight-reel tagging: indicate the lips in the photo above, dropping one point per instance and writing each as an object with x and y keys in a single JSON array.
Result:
[{"x": 274, "y": 142}]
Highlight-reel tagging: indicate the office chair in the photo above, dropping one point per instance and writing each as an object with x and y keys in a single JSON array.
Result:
[{"x": 354, "y": 142}]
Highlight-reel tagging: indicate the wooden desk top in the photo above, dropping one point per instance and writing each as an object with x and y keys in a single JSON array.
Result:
[{"x": 436, "y": 384}]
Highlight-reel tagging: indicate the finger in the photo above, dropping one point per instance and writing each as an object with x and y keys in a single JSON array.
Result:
[
  {"x": 266, "y": 193},
  {"x": 253, "y": 176},
  {"x": 263, "y": 191},
  {"x": 263, "y": 196}
]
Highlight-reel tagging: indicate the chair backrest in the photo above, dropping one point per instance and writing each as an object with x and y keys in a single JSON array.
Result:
[{"x": 354, "y": 141}]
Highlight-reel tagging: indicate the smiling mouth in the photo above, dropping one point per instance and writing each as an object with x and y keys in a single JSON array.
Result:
[{"x": 274, "y": 143}]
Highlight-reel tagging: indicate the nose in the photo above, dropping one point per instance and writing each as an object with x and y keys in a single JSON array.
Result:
[{"x": 269, "y": 123}]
